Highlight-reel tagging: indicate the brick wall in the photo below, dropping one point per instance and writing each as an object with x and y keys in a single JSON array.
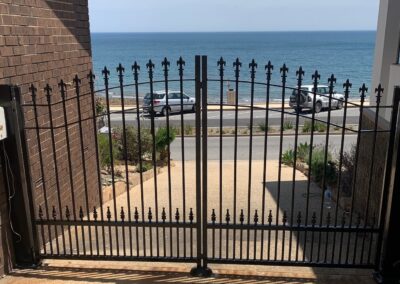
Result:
[{"x": 42, "y": 42}]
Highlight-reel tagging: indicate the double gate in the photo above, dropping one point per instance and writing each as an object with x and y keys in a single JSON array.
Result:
[{"x": 245, "y": 180}]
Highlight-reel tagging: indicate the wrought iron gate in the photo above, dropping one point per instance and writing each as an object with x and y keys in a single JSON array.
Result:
[{"x": 104, "y": 192}]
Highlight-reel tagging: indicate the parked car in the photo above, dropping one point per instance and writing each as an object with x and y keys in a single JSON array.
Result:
[
  {"x": 322, "y": 98},
  {"x": 174, "y": 102}
]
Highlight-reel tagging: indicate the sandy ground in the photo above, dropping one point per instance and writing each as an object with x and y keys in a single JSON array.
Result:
[{"x": 271, "y": 245}]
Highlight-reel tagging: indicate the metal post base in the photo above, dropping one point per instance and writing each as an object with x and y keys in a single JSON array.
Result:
[
  {"x": 201, "y": 271},
  {"x": 380, "y": 279}
]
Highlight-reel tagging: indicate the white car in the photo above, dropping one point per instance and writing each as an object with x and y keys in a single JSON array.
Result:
[
  {"x": 321, "y": 98},
  {"x": 175, "y": 98}
]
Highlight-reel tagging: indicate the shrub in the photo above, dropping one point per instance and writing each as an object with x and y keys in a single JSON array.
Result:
[
  {"x": 104, "y": 151},
  {"x": 348, "y": 164},
  {"x": 145, "y": 167},
  {"x": 132, "y": 143},
  {"x": 318, "y": 163},
  {"x": 319, "y": 126},
  {"x": 163, "y": 140},
  {"x": 303, "y": 151},
  {"x": 188, "y": 129},
  {"x": 288, "y": 157},
  {"x": 263, "y": 127},
  {"x": 100, "y": 106},
  {"x": 287, "y": 125},
  {"x": 307, "y": 126}
]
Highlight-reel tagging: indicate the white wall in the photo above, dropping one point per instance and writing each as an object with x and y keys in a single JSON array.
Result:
[{"x": 386, "y": 51}]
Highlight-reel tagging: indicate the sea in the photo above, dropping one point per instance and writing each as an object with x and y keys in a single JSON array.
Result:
[{"x": 346, "y": 54}]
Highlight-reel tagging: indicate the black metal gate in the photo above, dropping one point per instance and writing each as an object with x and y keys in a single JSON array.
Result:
[{"x": 268, "y": 183}]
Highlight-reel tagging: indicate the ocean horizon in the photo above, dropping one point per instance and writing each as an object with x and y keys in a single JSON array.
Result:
[{"x": 346, "y": 54}]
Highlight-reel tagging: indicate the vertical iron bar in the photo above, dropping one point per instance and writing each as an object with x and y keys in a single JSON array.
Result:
[
  {"x": 283, "y": 71},
  {"x": 331, "y": 81},
  {"x": 121, "y": 70},
  {"x": 269, "y": 67},
  {"x": 341, "y": 238},
  {"x": 91, "y": 78},
  {"x": 82, "y": 230},
  {"x": 255, "y": 235},
  {"x": 166, "y": 64},
  {"x": 379, "y": 92},
  {"x": 253, "y": 66},
  {"x": 237, "y": 64},
  {"x": 347, "y": 87},
  {"x": 44, "y": 184},
  {"x": 106, "y": 73},
  {"x": 221, "y": 63},
  {"x": 204, "y": 152},
  {"x": 163, "y": 217},
  {"x": 40, "y": 213},
  {"x": 48, "y": 91},
  {"x": 198, "y": 159},
  {"x": 63, "y": 91},
  {"x": 363, "y": 90},
  {"x": 371, "y": 238},
  {"x": 150, "y": 67},
  {"x": 77, "y": 82},
  {"x": 181, "y": 64},
  {"x": 135, "y": 69},
  {"x": 316, "y": 76},
  {"x": 300, "y": 74}
]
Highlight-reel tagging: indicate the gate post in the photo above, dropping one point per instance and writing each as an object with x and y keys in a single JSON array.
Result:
[
  {"x": 20, "y": 204},
  {"x": 388, "y": 247},
  {"x": 201, "y": 269}
]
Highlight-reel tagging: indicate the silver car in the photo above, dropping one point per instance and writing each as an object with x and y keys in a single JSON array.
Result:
[
  {"x": 176, "y": 100},
  {"x": 306, "y": 98}
]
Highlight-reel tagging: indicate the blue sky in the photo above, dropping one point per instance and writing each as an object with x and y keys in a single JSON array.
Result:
[{"x": 231, "y": 15}]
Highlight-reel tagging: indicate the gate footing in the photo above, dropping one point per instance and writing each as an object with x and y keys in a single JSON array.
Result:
[{"x": 199, "y": 271}]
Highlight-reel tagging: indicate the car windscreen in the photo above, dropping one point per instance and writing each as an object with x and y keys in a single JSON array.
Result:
[
  {"x": 304, "y": 91},
  {"x": 154, "y": 96}
]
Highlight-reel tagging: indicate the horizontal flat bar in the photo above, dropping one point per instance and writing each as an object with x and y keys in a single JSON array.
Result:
[
  {"x": 292, "y": 228},
  {"x": 288, "y": 263},
  {"x": 114, "y": 224},
  {"x": 121, "y": 258}
]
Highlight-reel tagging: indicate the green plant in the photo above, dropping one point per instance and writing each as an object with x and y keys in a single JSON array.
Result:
[
  {"x": 288, "y": 157},
  {"x": 145, "y": 167},
  {"x": 321, "y": 167},
  {"x": 303, "y": 151},
  {"x": 307, "y": 126},
  {"x": 104, "y": 151},
  {"x": 188, "y": 129},
  {"x": 132, "y": 143},
  {"x": 163, "y": 138},
  {"x": 348, "y": 165},
  {"x": 263, "y": 127},
  {"x": 319, "y": 126},
  {"x": 287, "y": 125},
  {"x": 100, "y": 106}
]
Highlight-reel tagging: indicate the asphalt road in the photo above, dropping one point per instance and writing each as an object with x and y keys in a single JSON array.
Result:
[
  {"x": 257, "y": 144},
  {"x": 243, "y": 117}
]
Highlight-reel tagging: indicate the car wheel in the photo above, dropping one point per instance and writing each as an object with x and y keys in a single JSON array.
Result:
[
  {"x": 165, "y": 110},
  {"x": 318, "y": 107},
  {"x": 194, "y": 108},
  {"x": 339, "y": 104}
]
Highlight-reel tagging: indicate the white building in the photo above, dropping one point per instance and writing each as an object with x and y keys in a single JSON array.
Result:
[{"x": 386, "y": 69}]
